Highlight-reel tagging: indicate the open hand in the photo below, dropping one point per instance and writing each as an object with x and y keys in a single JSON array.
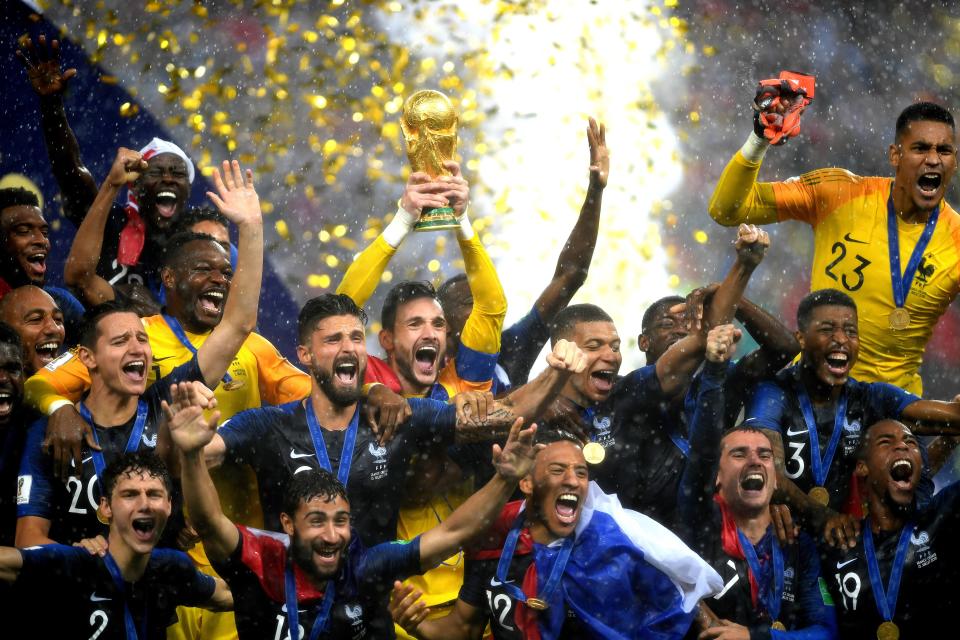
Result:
[
  {"x": 236, "y": 198},
  {"x": 406, "y": 607},
  {"x": 189, "y": 430},
  {"x": 599, "y": 154},
  {"x": 457, "y": 190},
  {"x": 385, "y": 412},
  {"x": 515, "y": 459},
  {"x": 422, "y": 192},
  {"x": 43, "y": 67}
]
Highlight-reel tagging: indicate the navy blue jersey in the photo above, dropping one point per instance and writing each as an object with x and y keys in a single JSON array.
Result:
[
  {"x": 805, "y": 603},
  {"x": 276, "y": 442},
  {"x": 72, "y": 311},
  {"x": 929, "y": 587},
  {"x": 13, "y": 438},
  {"x": 520, "y": 344},
  {"x": 75, "y": 597},
  {"x": 775, "y": 406},
  {"x": 255, "y": 574},
  {"x": 71, "y": 507}
]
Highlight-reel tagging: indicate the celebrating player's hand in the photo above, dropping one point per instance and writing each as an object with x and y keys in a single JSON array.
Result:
[
  {"x": 567, "y": 356},
  {"x": 385, "y": 412},
  {"x": 473, "y": 407},
  {"x": 236, "y": 198},
  {"x": 841, "y": 530},
  {"x": 515, "y": 459},
  {"x": 189, "y": 430},
  {"x": 422, "y": 193},
  {"x": 783, "y": 524},
  {"x": 693, "y": 307},
  {"x": 406, "y": 607},
  {"x": 722, "y": 342},
  {"x": 96, "y": 546},
  {"x": 457, "y": 190},
  {"x": 751, "y": 244},
  {"x": 599, "y": 154},
  {"x": 726, "y": 630},
  {"x": 43, "y": 66},
  {"x": 66, "y": 434},
  {"x": 127, "y": 167},
  {"x": 564, "y": 414}
]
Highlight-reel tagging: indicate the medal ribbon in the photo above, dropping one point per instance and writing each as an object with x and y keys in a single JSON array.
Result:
[
  {"x": 350, "y": 440},
  {"x": 901, "y": 285},
  {"x": 117, "y": 577},
  {"x": 821, "y": 467},
  {"x": 293, "y": 615},
  {"x": 771, "y": 594},
  {"x": 181, "y": 335},
  {"x": 133, "y": 442},
  {"x": 506, "y": 557},
  {"x": 886, "y": 601}
]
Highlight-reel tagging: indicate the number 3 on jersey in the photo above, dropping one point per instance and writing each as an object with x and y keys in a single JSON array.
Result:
[{"x": 852, "y": 280}]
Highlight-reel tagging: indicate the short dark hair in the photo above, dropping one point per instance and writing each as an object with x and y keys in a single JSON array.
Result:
[
  {"x": 656, "y": 309},
  {"x": 448, "y": 285},
  {"x": 92, "y": 317},
  {"x": 861, "y": 453},
  {"x": 9, "y": 335},
  {"x": 326, "y": 306},
  {"x": 135, "y": 463},
  {"x": 307, "y": 485},
  {"x": 821, "y": 298},
  {"x": 548, "y": 434},
  {"x": 920, "y": 111},
  {"x": 176, "y": 244},
  {"x": 402, "y": 293},
  {"x": 745, "y": 428},
  {"x": 18, "y": 197},
  {"x": 193, "y": 215},
  {"x": 567, "y": 319}
]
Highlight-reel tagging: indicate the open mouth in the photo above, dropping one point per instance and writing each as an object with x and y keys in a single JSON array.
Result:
[
  {"x": 346, "y": 373},
  {"x": 837, "y": 362},
  {"x": 166, "y": 203},
  {"x": 6, "y": 404},
  {"x": 144, "y": 528},
  {"x": 566, "y": 507},
  {"x": 603, "y": 379},
  {"x": 47, "y": 351},
  {"x": 752, "y": 482},
  {"x": 426, "y": 358},
  {"x": 928, "y": 183},
  {"x": 901, "y": 472},
  {"x": 327, "y": 556},
  {"x": 135, "y": 369},
  {"x": 37, "y": 263},
  {"x": 211, "y": 302}
]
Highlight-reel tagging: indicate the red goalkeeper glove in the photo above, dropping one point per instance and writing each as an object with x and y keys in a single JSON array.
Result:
[{"x": 779, "y": 103}]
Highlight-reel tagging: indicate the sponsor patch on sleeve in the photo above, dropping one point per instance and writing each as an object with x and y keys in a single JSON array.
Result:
[
  {"x": 58, "y": 362},
  {"x": 23, "y": 489}
]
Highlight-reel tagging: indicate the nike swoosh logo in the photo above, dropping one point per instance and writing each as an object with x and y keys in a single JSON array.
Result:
[
  {"x": 163, "y": 358},
  {"x": 95, "y": 598},
  {"x": 496, "y": 583},
  {"x": 841, "y": 565},
  {"x": 794, "y": 432},
  {"x": 295, "y": 455},
  {"x": 849, "y": 239}
]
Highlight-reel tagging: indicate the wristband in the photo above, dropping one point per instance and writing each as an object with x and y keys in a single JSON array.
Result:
[
  {"x": 754, "y": 148},
  {"x": 57, "y": 404},
  {"x": 465, "y": 232},
  {"x": 370, "y": 385},
  {"x": 399, "y": 227}
]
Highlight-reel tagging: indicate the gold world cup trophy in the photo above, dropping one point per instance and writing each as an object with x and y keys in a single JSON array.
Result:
[{"x": 429, "y": 124}]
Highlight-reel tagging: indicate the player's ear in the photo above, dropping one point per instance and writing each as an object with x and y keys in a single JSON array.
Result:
[
  {"x": 303, "y": 355},
  {"x": 893, "y": 154},
  {"x": 526, "y": 485},
  {"x": 386, "y": 339},
  {"x": 799, "y": 336},
  {"x": 166, "y": 277},
  {"x": 643, "y": 341},
  {"x": 85, "y": 355},
  {"x": 861, "y": 470},
  {"x": 105, "y": 509},
  {"x": 287, "y": 523}
]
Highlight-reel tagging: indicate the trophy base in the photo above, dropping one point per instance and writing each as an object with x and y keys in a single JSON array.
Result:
[{"x": 436, "y": 219}]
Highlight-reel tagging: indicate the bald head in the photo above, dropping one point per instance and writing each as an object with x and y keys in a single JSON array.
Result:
[{"x": 39, "y": 322}]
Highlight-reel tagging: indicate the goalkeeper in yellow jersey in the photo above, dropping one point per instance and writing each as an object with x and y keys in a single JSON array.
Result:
[{"x": 892, "y": 244}]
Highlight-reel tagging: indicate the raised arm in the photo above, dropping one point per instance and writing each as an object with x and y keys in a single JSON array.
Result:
[
  {"x": 81, "y": 266},
  {"x": 237, "y": 200},
  {"x": 934, "y": 417},
  {"x": 512, "y": 462},
  {"x": 574, "y": 261},
  {"x": 190, "y": 432},
  {"x": 77, "y": 186}
]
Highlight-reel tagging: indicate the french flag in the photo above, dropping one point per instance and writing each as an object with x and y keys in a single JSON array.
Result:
[{"x": 627, "y": 577}]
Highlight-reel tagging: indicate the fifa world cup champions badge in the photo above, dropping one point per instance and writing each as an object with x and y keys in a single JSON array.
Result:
[{"x": 429, "y": 124}]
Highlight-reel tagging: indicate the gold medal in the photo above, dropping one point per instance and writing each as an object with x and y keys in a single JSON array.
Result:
[
  {"x": 594, "y": 453},
  {"x": 820, "y": 495},
  {"x": 537, "y": 604},
  {"x": 778, "y": 626},
  {"x": 233, "y": 384},
  {"x": 888, "y": 631},
  {"x": 102, "y": 518},
  {"x": 899, "y": 319}
]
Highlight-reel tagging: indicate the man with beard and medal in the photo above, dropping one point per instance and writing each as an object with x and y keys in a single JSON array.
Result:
[
  {"x": 898, "y": 578},
  {"x": 770, "y": 590},
  {"x": 816, "y": 411},
  {"x": 871, "y": 234},
  {"x": 122, "y": 413},
  {"x": 320, "y": 580}
]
